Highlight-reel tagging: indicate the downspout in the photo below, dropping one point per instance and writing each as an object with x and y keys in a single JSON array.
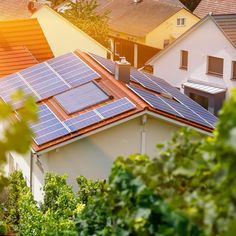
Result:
[
  {"x": 143, "y": 135},
  {"x": 31, "y": 169}
]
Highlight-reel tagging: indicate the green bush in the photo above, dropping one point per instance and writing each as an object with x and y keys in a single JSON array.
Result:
[
  {"x": 16, "y": 185},
  {"x": 3, "y": 228}
]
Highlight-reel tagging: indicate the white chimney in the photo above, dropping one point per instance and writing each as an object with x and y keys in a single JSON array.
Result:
[{"x": 122, "y": 70}]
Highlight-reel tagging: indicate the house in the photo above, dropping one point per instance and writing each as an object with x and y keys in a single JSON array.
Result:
[
  {"x": 22, "y": 44},
  {"x": 215, "y": 7},
  {"x": 139, "y": 29},
  {"x": 202, "y": 62},
  {"x": 18, "y": 9},
  {"x": 65, "y": 37},
  {"x": 92, "y": 110}
]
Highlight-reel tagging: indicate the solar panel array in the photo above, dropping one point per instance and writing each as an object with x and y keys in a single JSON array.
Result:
[
  {"x": 109, "y": 65},
  {"x": 81, "y": 97},
  {"x": 72, "y": 69},
  {"x": 49, "y": 78},
  {"x": 161, "y": 86},
  {"x": 170, "y": 106},
  {"x": 50, "y": 127}
]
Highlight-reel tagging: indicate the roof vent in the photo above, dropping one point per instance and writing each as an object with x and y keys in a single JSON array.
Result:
[
  {"x": 122, "y": 70},
  {"x": 137, "y": 1}
]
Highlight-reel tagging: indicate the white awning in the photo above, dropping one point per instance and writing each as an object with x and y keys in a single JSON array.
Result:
[{"x": 204, "y": 88}]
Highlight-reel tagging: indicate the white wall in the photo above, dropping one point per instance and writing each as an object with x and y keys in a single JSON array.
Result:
[
  {"x": 93, "y": 156},
  {"x": 206, "y": 40}
]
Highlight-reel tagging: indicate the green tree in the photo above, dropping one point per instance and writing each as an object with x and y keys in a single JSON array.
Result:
[
  {"x": 191, "y": 4},
  {"x": 83, "y": 14}
]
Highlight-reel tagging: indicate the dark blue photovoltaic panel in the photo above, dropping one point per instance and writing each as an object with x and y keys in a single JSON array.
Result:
[
  {"x": 73, "y": 70},
  {"x": 48, "y": 127},
  {"x": 154, "y": 100},
  {"x": 185, "y": 100},
  {"x": 9, "y": 85},
  {"x": 109, "y": 65},
  {"x": 192, "y": 105},
  {"x": 83, "y": 120},
  {"x": 185, "y": 112},
  {"x": 43, "y": 80},
  {"x": 81, "y": 97},
  {"x": 115, "y": 108},
  {"x": 140, "y": 78}
]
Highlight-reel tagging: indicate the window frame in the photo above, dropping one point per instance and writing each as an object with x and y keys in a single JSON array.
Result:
[
  {"x": 212, "y": 73},
  {"x": 182, "y": 21},
  {"x": 183, "y": 67},
  {"x": 233, "y": 71}
]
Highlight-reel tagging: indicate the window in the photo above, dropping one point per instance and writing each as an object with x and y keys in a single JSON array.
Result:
[
  {"x": 181, "y": 21},
  {"x": 117, "y": 48},
  {"x": 234, "y": 70},
  {"x": 203, "y": 101},
  {"x": 184, "y": 60},
  {"x": 215, "y": 66},
  {"x": 166, "y": 42}
]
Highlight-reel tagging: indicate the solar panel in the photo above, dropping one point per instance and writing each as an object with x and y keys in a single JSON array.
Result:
[
  {"x": 11, "y": 84},
  {"x": 185, "y": 112},
  {"x": 81, "y": 97},
  {"x": 140, "y": 78},
  {"x": 109, "y": 65},
  {"x": 185, "y": 100},
  {"x": 72, "y": 69},
  {"x": 154, "y": 100},
  {"x": 115, "y": 108},
  {"x": 48, "y": 127},
  {"x": 43, "y": 81},
  {"x": 83, "y": 120}
]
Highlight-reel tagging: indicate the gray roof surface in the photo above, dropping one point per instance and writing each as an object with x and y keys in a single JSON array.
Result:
[
  {"x": 138, "y": 19},
  {"x": 216, "y": 7}
]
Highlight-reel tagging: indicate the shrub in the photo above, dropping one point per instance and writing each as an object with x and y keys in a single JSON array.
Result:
[{"x": 3, "y": 228}]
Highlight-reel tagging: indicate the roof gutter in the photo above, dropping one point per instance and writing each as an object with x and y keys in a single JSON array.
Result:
[{"x": 144, "y": 112}]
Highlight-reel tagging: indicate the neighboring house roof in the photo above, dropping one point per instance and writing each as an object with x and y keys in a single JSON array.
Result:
[
  {"x": 16, "y": 9},
  {"x": 216, "y": 7},
  {"x": 15, "y": 59},
  {"x": 138, "y": 19},
  {"x": 226, "y": 23},
  {"x": 68, "y": 40},
  {"x": 26, "y": 33},
  {"x": 78, "y": 95}
]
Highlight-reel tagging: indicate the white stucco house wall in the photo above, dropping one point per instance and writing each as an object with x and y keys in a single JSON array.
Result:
[
  {"x": 205, "y": 58},
  {"x": 95, "y": 135}
]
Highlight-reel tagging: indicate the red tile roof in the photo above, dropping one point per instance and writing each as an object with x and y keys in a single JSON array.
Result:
[
  {"x": 216, "y": 7},
  {"x": 15, "y": 9},
  {"x": 15, "y": 59},
  {"x": 26, "y": 33}
]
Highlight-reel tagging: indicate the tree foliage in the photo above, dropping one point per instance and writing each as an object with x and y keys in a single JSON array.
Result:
[
  {"x": 83, "y": 14},
  {"x": 191, "y": 4},
  {"x": 16, "y": 135}
]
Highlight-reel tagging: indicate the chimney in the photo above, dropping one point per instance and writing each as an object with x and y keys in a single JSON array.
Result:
[
  {"x": 31, "y": 6},
  {"x": 122, "y": 70}
]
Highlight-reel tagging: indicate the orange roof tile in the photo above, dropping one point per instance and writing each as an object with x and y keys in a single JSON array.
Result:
[
  {"x": 15, "y": 59},
  {"x": 216, "y": 7},
  {"x": 15, "y": 9},
  {"x": 26, "y": 33}
]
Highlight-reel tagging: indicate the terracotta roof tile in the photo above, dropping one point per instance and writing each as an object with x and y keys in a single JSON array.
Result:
[
  {"x": 15, "y": 59},
  {"x": 138, "y": 19},
  {"x": 227, "y": 23},
  {"x": 216, "y": 7},
  {"x": 15, "y": 9},
  {"x": 26, "y": 33}
]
